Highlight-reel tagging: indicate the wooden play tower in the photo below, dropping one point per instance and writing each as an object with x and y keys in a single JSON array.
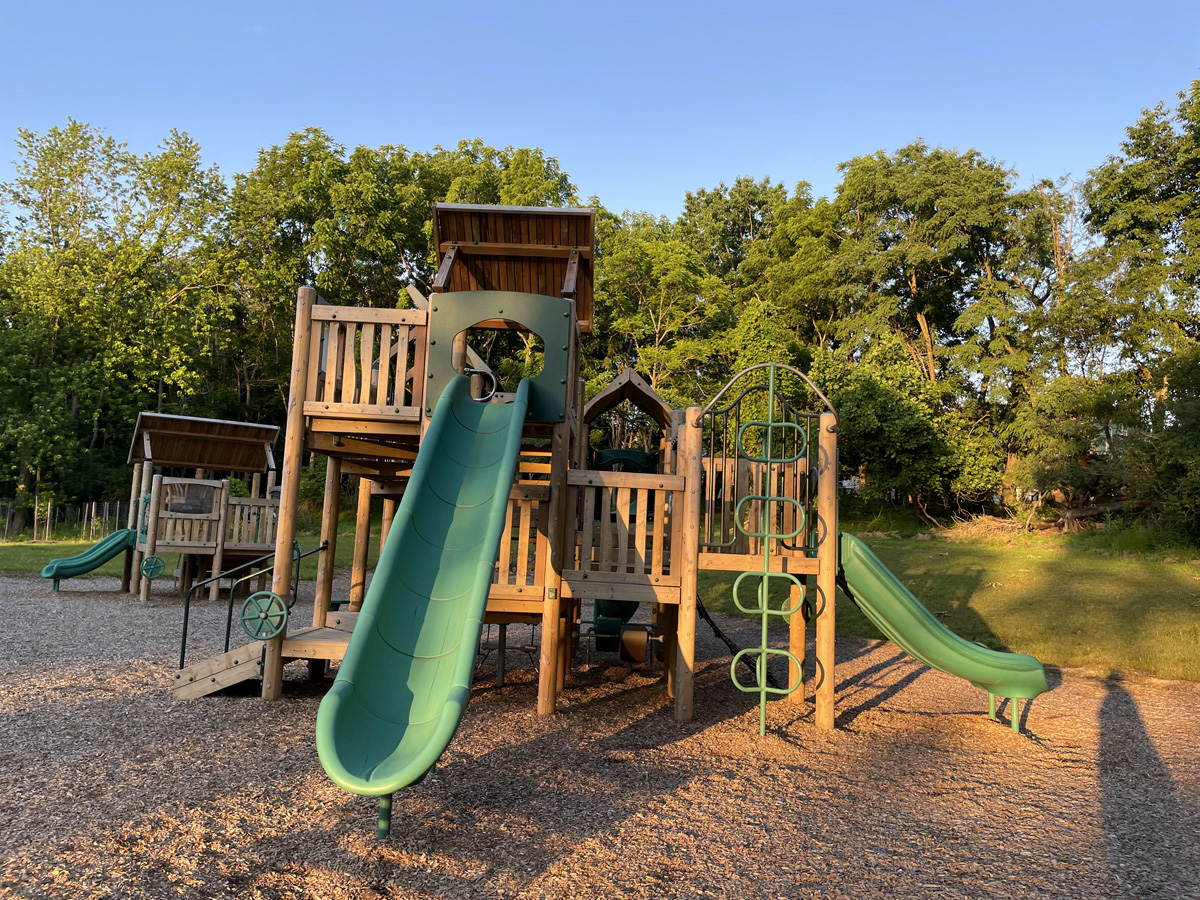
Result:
[{"x": 363, "y": 386}]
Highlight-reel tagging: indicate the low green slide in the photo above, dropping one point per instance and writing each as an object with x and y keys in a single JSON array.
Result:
[
  {"x": 91, "y": 558},
  {"x": 902, "y": 618},
  {"x": 402, "y": 688}
]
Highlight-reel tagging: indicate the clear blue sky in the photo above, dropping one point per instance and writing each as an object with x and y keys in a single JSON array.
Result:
[{"x": 640, "y": 102}]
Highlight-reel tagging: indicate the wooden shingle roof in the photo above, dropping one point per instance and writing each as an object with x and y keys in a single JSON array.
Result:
[{"x": 193, "y": 442}]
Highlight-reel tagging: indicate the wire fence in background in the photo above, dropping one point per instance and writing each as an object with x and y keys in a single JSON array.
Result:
[{"x": 48, "y": 521}]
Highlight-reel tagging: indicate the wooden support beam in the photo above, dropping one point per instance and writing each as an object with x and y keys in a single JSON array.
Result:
[
  {"x": 827, "y": 557},
  {"x": 289, "y": 494},
  {"x": 131, "y": 522},
  {"x": 152, "y": 530},
  {"x": 214, "y": 589},
  {"x": 796, "y": 646},
  {"x": 142, "y": 509},
  {"x": 443, "y": 275},
  {"x": 499, "y": 248},
  {"x": 571, "y": 279},
  {"x": 329, "y": 528},
  {"x": 690, "y": 440},
  {"x": 362, "y": 543},
  {"x": 389, "y": 513},
  {"x": 555, "y": 508}
]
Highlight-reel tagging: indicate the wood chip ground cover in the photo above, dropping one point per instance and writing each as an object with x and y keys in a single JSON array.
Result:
[{"x": 109, "y": 788}]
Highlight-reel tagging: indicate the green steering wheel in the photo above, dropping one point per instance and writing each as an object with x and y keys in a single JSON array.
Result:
[
  {"x": 264, "y": 615},
  {"x": 153, "y": 566}
]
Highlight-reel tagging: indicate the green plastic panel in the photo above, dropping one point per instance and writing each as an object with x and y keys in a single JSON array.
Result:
[
  {"x": 93, "y": 557},
  {"x": 914, "y": 629},
  {"x": 404, "y": 684},
  {"x": 547, "y": 317}
]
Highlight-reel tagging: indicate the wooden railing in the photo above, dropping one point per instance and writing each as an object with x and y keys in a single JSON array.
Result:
[
  {"x": 624, "y": 528},
  {"x": 187, "y": 525},
  {"x": 366, "y": 363},
  {"x": 728, "y": 481},
  {"x": 252, "y": 523},
  {"x": 520, "y": 565}
]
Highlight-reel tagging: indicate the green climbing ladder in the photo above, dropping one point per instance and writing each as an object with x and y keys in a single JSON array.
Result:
[{"x": 768, "y": 501}]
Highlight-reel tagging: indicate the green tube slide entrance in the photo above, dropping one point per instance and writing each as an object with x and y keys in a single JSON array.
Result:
[
  {"x": 91, "y": 558},
  {"x": 405, "y": 681},
  {"x": 905, "y": 622}
]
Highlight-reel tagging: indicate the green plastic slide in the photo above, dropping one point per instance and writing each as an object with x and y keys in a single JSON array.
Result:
[
  {"x": 93, "y": 557},
  {"x": 908, "y": 624},
  {"x": 401, "y": 690}
]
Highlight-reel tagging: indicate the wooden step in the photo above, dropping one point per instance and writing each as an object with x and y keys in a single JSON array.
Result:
[{"x": 218, "y": 672}]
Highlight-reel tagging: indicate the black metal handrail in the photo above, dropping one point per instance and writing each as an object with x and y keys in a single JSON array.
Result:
[{"x": 293, "y": 589}]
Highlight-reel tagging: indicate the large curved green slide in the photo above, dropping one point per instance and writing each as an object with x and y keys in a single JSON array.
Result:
[
  {"x": 902, "y": 618},
  {"x": 93, "y": 557},
  {"x": 401, "y": 690}
]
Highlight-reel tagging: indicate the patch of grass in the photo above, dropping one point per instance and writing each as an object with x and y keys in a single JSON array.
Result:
[
  {"x": 1099, "y": 610},
  {"x": 857, "y": 515}
]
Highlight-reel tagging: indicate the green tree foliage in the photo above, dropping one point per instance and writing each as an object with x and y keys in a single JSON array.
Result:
[
  {"x": 108, "y": 301},
  {"x": 980, "y": 337}
]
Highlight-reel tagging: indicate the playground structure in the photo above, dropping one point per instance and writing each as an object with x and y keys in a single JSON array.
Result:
[
  {"x": 195, "y": 517},
  {"x": 492, "y": 515}
]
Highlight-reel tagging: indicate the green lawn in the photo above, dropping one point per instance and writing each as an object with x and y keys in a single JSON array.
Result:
[
  {"x": 1067, "y": 607},
  {"x": 26, "y": 558},
  {"x": 1063, "y": 602}
]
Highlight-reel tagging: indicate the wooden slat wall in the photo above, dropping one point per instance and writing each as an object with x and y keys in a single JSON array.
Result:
[
  {"x": 624, "y": 528},
  {"x": 728, "y": 480},
  {"x": 520, "y": 569},
  {"x": 530, "y": 275},
  {"x": 252, "y": 522},
  {"x": 364, "y": 362}
]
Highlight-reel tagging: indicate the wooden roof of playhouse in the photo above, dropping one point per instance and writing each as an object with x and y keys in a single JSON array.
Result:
[
  {"x": 629, "y": 385},
  {"x": 193, "y": 442},
  {"x": 530, "y": 249}
]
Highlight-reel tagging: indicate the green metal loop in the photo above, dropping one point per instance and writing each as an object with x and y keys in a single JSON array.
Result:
[
  {"x": 761, "y": 673},
  {"x": 153, "y": 566},
  {"x": 769, "y": 428},
  {"x": 264, "y": 615},
  {"x": 765, "y": 532},
  {"x": 763, "y": 608}
]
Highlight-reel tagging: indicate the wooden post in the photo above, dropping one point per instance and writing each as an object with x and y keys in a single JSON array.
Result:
[
  {"x": 218, "y": 560},
  {"x": 362, "y": 543},
  {"x": 827, "y": 560},
  {"x": 127, "y": 571},
  {"x": 255, "y": 484},
  {"x": 293, "y": 451},
  {"x": 329, "y": 529},
  {"x": 389, "y": 513},
  {"x": 548, "y": 659},
  {"x": 796, "y": 646},
  {"x": 690, "y": 439},
  {"x": 151, "y": 530},
  {"x": 139, "y": 514}
]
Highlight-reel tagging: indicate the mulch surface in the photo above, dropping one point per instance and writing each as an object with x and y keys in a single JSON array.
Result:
[{"x": 109, "y": 788}]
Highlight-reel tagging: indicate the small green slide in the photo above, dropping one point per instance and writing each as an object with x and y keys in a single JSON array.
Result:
[
  {"x": 401, "y": 690},
  {"x": 902, "y": 618},
  {"x": 94, "y": 556}
]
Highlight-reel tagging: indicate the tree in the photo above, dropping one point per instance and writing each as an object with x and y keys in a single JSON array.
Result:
[{"x": 105, "y": 299}]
